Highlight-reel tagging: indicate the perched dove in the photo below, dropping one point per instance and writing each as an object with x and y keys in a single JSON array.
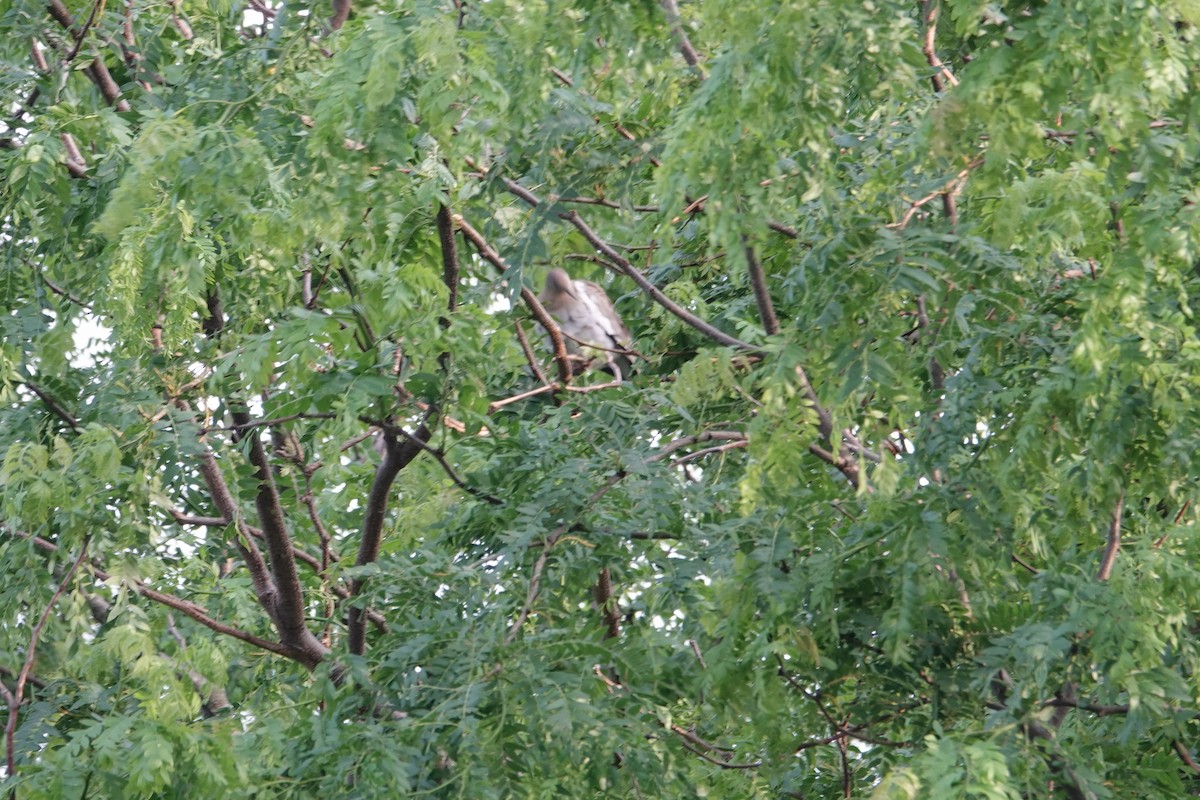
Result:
[{"x": 588, "y": 321}]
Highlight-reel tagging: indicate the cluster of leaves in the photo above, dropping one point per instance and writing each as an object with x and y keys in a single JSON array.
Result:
[{"x": 288, "y": 507}]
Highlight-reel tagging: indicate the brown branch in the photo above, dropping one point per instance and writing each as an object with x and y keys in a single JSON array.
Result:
[
  {"x": 535, "y": 307},
  {"x": 290, "y": 607},
  {"x": 450, "y": 268},
  {"x": 54, "y": 406},
  {"x": 17, "y": 696},
  {"x": 181, "y": 24},
  {"x": 341, "y": 13},
  {"x": 655, "y": 293},
  {"x": 193, "y": 610},
  {"x": 758, "y": 282},
  {"x": 628, "y": 269},
  {"x": 1185, "y": 756},
  {"x": 1113, "y": 544},
  {"x": 266, "y": 423},
  {"x": 395, "y": 458},
  {"x": 1069, "y": 702},
  {"x": 97, "y": 8},
  {"x": 708, "y": 451},
  {"x": 529, "y": 356},
  {"x": 720, "y": 763},
  {"x": 692, "y": 643},
  {"x": 75, "y": 162},
  {"x": 602, "y": 594},
  {"x": 929, "y": 15},
  {"x": 951, "y": 187},
  {"x": 671, "y": 9},
  {"x": 498, "y": 404},
  {"x": 260, "y": 575},
  {"x": 439, "y": 455},
  {"x": 97, "y": 71},
  {"x": 598, "y": 201},
  {"x": 786, "y": 230},
  {"x": 687, "y": 441},
  {"x": 43, "y": 66}
]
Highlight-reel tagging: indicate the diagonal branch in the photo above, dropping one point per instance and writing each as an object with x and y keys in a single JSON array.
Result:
[
  {"x": 17, "y": 696},
  {"x": 54, "y": 405},
  {"x": 489, "y": 254},
  {"x": 193, "y": 610},
  {"x": 628, "y": 269},
  {"x": 97, "y": 71},
  {"x": 671, "y": 9},
  {"x": 260, "y": 575},
  {"x": 929, "y": 15}
]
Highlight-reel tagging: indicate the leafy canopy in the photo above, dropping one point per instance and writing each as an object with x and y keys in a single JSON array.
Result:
[{"x": 296, "y": 499}]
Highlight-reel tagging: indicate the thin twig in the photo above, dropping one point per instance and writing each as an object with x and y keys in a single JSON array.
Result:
[
  {"x": 952, "y": 186},
  {"x": 17, "y": 696},
  {"x": 929, "y": 15},
  {"x": 529, "y": 355},
  {"x": 708, "y": 451}
]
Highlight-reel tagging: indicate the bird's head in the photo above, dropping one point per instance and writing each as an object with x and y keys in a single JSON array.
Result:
[{"x": 558, "y": 282}]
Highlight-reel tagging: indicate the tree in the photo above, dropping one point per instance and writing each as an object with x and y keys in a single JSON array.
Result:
[{"x": 898, "y": 503}]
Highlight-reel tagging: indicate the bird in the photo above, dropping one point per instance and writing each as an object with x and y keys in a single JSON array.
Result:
[{"x": 589, "y": 322}]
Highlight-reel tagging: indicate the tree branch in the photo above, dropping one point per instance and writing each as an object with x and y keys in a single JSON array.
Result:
[
  {"x": 396, "y": 457},
  {"x": 193, "y": 610},
  {"x": 628, "y": 269},
  {"x": 758, "y": 281},
  {"x": 532, "y": 303},
  {"x": 98, "y": 70},
  {"x": 341, "y": 13},
  {"x": 260, "y": 575},
  {"x": 1114, "y": 542},
  {"x": 290, "y": 617},
  {"x": 450, "y": 268},
  {"x": 54, "y": 406},
  {"x": 602, "y": 594},
  {"x": 17, "y": 696},
  {"x": 685, "y": 45},
  {"x": 929, "y": 15}
]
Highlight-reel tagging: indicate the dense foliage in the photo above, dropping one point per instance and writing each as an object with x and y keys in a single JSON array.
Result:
[{"x": 296, "y": 500}]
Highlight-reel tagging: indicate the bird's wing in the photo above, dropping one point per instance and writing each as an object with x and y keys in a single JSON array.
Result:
[{"x": 608, "y": 330}]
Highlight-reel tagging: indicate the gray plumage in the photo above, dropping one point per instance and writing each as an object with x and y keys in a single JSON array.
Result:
[{"x": 589, "y": 322}]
